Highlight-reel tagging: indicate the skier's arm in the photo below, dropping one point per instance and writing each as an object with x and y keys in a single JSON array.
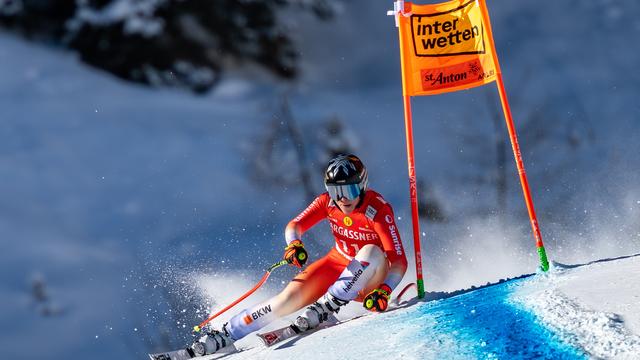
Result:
[
  {"x": 384, "y": 224},
  {"x": 314, "y": 213}
]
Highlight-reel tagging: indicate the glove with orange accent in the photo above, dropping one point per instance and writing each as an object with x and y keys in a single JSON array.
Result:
[
  {"x": 378, "y": 299},
  {"x": 295, "y": 253}
]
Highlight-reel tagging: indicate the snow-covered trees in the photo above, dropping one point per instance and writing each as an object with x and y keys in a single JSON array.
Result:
[{"x": 183, "y": 43}]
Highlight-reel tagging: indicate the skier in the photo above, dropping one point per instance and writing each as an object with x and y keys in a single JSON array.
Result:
[{"x": 365, "y": 265}]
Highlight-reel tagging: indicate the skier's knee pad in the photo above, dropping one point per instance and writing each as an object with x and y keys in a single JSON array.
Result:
[{"x": 371, "y": 254}]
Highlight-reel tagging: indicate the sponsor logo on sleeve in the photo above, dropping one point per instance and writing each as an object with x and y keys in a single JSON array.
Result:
[
  {"x": 393, "y": 230},
  {"x": 371, "y": 212}
]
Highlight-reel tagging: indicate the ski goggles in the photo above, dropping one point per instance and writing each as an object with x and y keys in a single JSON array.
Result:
[{"x": 349, "y": 191}]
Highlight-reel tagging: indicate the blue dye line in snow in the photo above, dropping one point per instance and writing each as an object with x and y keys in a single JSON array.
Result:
[{"x": 484, "y": 324}]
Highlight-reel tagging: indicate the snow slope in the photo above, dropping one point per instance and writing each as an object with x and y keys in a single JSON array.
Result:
[{"x": 572, "y": 312}]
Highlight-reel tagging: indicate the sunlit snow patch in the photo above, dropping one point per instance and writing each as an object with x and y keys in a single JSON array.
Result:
[{"x": 600, "y": 334}]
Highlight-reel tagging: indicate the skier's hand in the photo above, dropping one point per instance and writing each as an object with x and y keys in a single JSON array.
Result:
[
  {"x": 378, "y": 299},
  {"x": 295, "y": 253}
]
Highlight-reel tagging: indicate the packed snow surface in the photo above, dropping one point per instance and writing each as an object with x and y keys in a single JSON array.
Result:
[
  {"x": 571, "y": 312},
  {"x": 594, "y": 307}
]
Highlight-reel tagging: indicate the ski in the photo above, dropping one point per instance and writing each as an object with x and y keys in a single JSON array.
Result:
[
  {"x": 181, "y": 354},
  {"x": 184, "y": 354},
  {"x": 273, "y": 337},
  {"x": 276, "y": 336}
]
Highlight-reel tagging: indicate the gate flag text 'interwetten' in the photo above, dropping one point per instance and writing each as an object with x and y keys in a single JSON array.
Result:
[{"x": 445, "y": 47}]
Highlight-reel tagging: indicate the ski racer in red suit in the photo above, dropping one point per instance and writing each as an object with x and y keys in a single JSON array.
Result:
[{"x": 365, "y": 265}]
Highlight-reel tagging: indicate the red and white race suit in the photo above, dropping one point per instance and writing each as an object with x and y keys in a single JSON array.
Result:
[
  {"x": 368, "y": 252},
  {"x": 372, "y": 222}
]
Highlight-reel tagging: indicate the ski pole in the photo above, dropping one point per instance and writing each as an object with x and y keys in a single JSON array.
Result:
[{"x": 197, "y": 328}]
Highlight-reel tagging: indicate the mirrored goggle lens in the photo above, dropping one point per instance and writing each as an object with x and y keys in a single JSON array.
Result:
[{"x": 350, "y": 191}]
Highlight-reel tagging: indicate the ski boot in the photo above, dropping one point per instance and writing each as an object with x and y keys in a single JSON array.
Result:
[
  {"x": 213, "y": 341},
  {"x": 318, "y": 312}
]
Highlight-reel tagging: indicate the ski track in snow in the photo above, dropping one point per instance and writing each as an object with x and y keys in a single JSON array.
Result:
[
  {"x": 460, "y": 327},
  {"x": 350, "y": 340},
  {"x": 600, "y": 333}
]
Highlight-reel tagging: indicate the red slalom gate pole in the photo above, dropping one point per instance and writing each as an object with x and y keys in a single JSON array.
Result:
[
  {"x": 197, "y": 328},
  {"x": 413, "y": 190},
  {"x": 542, "y": 254}
]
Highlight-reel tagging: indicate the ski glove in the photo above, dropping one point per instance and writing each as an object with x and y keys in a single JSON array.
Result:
[
  {"x": 378, "y": 299},
  {"x": 295, "y": 253}
]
